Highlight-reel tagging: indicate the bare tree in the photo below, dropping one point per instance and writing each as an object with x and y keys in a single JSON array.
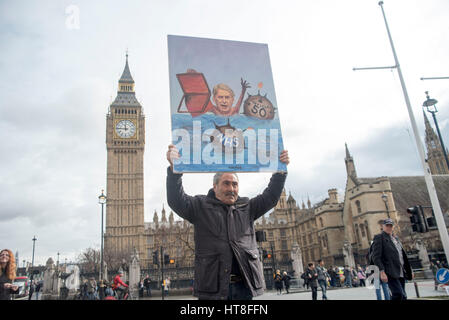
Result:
[{"x": 89, "y": 260}]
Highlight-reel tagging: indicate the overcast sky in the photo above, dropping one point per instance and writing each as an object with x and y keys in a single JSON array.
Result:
[{"x": 57, "y": 82}]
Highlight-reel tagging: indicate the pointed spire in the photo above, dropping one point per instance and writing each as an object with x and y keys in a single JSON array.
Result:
[
  {"x": 350, "y": 166},
  {"x": 164, "y": 218},
  {"x": 155, "y": 218},
  {"x": 348, "y": 155},
  {"x": 171, "y": 219},
  {"x": 126, "y": 75}
]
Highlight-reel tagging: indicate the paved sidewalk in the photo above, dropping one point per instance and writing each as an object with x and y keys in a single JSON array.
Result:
[{"x": 425, "y": 288}]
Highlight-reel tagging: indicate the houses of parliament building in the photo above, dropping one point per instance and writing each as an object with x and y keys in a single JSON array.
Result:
[{"x": 338, "y": 230}]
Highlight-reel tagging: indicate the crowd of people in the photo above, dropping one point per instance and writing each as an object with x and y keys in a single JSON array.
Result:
[
  {"x": 90, "y": 289},
  {"x": 318, "y": 276}
]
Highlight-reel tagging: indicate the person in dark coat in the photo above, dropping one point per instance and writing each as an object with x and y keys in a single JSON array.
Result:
[
  {"x": 147, "y": 285},
  {"x": 7, "y": 275},
  {"x": 312, "y": 277},
  {"x": 389, "y": 256},
  {"x": 278, "y": 282},
  {"x": 286, "y": 279},
  {"x": 32, "y": 289},
  {"x": 227, "y": 264}
]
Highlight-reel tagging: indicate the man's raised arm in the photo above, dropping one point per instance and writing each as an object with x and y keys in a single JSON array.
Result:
[
  {"x": 270, "y": 196},
  {"x": 180, "y": 202}
]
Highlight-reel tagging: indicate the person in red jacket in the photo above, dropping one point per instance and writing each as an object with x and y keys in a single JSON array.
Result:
[{"x": 119, "y": 285}]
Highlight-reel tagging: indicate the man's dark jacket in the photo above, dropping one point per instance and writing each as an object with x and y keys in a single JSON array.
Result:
[
  {"x": 312, "y": 277},
  {"x": 386, "y": 257},
  {"x": 222, "y": 231}
]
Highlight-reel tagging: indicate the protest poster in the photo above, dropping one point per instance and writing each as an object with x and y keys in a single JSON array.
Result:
[{"x": 224, "y": 113}]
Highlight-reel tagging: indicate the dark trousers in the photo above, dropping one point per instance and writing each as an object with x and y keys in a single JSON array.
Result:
[
  {"x": 397, "y": 288},
  {"x": 238, "y": 291},
  {"x": 314, "y": 292}
]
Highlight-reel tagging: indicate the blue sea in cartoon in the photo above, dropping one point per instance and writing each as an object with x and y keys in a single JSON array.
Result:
[{"x": 252, "y": 162}]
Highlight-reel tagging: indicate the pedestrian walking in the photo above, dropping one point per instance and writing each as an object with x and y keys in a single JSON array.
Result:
[
  {"x": 382, "y": 287},
  {"x": 91, "y": 288},
  {"x": 167, "y": 286},
  {"x": 278, "y": 282},
  {"x": 348, "y": 277},
  {"x": 107, "y": 289},
  {"x": 355, "y": 279},
  {"x": 304, "y": 277},
  {"x": 362, "y": 276},
  {"x": 227, "y": 264},
  {"x": 332, "y": 276},
  {"x": 32, "y": 289},
  {"x": 147, "y": 284},
  {"x": 312, "y": 276},
  {"x": 141, "y": 288},
  {"x": 286, "y": 280},
  {"x": 391, "y": 259},
  {"x": 38, "y": 288},
  {"x": 101, "y": 289},
  {"x": 322, "y": 278},
  {"x": 7, "y": 274}
]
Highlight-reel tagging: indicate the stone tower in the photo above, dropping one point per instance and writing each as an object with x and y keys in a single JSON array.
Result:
[
  {"x": 125, "y": 144},
  {"x": 435, "y": 155}
]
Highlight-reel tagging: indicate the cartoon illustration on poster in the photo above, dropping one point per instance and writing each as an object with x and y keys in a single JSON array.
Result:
[{"x": 223, "y": 106}]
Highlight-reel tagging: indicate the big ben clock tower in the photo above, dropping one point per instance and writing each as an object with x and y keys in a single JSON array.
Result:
[{"x": 125, "y": 143}]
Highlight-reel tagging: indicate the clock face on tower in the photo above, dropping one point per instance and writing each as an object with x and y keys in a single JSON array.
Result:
[{"x": 125, "y": 129}]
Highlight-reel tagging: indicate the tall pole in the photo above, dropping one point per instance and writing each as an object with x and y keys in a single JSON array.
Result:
[
  {"x": 102, "y": 258},
  {"x": 32, "y": 259},
  {"x": 427, "y": 176},
  {"x": 102, "y": 201},
  {"x": 162, "y": 273}
]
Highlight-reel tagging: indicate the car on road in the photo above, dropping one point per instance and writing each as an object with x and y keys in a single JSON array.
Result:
[{"x": 24, "y": 287}]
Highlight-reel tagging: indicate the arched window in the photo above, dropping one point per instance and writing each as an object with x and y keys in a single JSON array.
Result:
[
  {"x": 359, "y": 207},
  {"x": 362, "y": 230},
  {"x": 357, "y": 234},
  {"x": 321, "y": 222}
]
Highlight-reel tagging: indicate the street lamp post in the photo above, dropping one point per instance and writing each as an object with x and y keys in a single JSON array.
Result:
[
  {"x": 32, "y": 259},
  {"x": 430, "y": 105},
  {"x": 102, "y": 201},
  {"x": 385, "y": 200}
]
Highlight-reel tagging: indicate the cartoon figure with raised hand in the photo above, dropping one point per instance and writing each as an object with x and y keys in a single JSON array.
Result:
[{"x": 197, "y": 95}]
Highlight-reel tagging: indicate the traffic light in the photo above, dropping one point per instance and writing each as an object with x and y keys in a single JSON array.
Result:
[
  {"x": 264, "y": 253},
  {"x": 166, "y": 259},
  {"x": 156, "y": 257},
  {"x": 172, "y": 261},
  {"x": 417, "y": 219},
  {"x": 269, "y": 256},
  {"x": 431, "y": 222}
]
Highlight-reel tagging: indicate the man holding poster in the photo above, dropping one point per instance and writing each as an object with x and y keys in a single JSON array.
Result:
[
  {"x": 227, "y": 264},
  {"x": 211, "y": 134}
]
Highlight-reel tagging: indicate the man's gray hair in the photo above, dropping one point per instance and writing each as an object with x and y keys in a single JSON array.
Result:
[{"x": 218, "y": 175}]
